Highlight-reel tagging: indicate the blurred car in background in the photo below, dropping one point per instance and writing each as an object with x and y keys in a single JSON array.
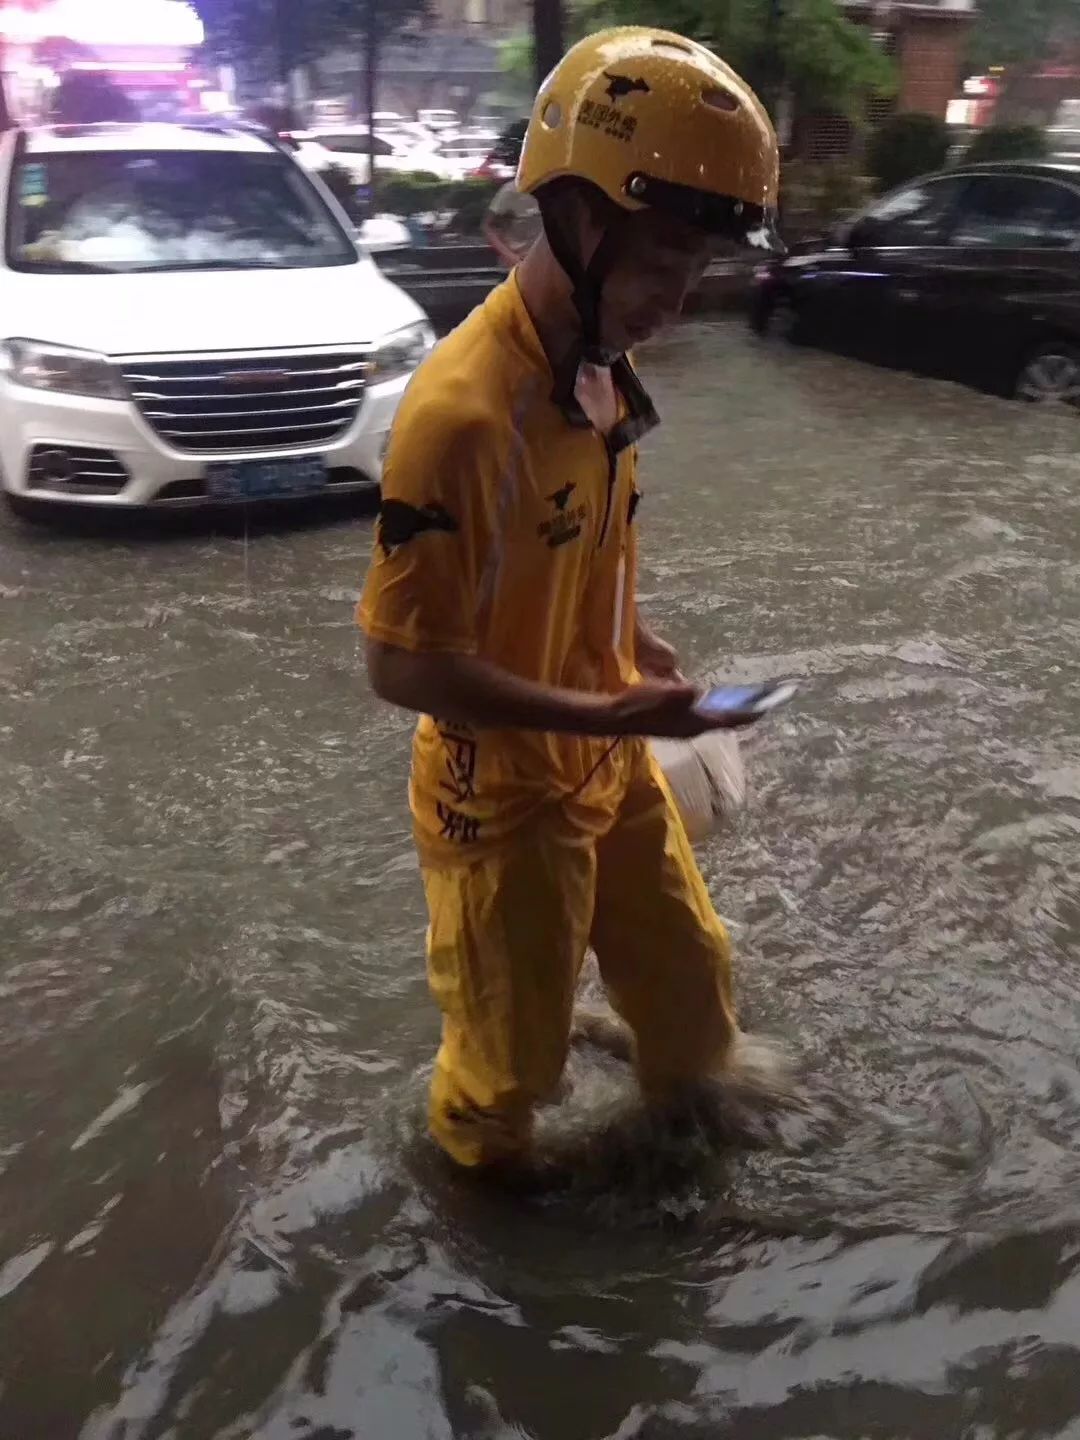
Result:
[
  {"x": 501, "y": 161},
  {"x": 388, "y": 120},
  {"x": 313, "y": 156},
  {"x": 440, "y": 122},
  {"x": 464, "y": 156},
  {"x": 384, "y": 235},
  {"x": 971, "y": 274},
  {"x": 349, "y": 146},
  {"x": 188, "y": 319}
]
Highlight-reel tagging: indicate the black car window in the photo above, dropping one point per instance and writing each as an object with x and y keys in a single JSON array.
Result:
[
  {"x": 1017, "y": 212},
  {"x": 917, "y": 215}
]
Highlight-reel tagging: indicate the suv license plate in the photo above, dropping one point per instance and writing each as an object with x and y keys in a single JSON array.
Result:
[{"x": 263, "y": 479}]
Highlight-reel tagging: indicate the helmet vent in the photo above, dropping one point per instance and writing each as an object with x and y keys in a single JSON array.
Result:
[
  {"x": 551, "y": 118},
  {"x": 673, "y": 46},
  {"x": 718, "y": 99}
]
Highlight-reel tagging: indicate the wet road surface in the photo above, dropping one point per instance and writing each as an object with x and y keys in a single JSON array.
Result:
[{"x": 218, "y": 1213}]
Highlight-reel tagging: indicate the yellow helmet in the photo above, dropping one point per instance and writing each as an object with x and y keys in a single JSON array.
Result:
[{"x": 658, "y": 121}]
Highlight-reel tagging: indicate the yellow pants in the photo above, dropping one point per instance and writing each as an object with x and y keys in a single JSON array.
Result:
[{"x": 507, "y": 938}]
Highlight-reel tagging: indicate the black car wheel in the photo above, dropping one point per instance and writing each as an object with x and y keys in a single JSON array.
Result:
[
  {"x": 1050, "y": 373},
  {"x": 774, "y": 314}
]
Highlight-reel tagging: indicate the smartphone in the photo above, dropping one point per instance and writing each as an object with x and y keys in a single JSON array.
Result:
[{"x": 755, "y": 700}]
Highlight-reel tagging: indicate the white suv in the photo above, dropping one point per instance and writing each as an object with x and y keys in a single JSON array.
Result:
[{"x": 187, "y": 318}]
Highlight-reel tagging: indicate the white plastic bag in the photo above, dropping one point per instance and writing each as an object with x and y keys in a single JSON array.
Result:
[{"x": 707, "y": 778}]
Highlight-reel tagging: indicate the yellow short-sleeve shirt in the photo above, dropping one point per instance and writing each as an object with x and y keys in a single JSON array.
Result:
[{"x": 506, "y": 532}]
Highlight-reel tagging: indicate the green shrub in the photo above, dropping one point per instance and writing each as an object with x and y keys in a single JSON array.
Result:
[
  {"x": 415, "y": 192},
  {"x": 813, "y": 198},
  {"x": 907, "y": 146},
  {"x": 1007, "y": 142},
  {"x": 468, "y": 203},
  {"x": 418, "y": 192}
]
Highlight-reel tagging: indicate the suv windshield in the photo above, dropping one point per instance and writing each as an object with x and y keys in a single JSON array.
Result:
[{"x": 168, "y": 210}]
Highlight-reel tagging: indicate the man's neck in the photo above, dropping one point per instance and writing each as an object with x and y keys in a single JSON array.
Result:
[{"x": 547, "y": 296}]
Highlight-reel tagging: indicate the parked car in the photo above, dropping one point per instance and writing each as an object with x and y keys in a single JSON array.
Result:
[
  {"x": 348, "y": 145},
  {"x": 384, "y": 235},
  {"x": 439, "y": 122},
  {"x": 388, "y": 120},
  {"x": 1063, "y": 143},
  {"x": 313, "y": 156},
  {"x": 501, "y": 161},
  {"x": 972, "y": 274},
  {"x": 188, "y": 319},
  {"x": 466, "y": 155}
]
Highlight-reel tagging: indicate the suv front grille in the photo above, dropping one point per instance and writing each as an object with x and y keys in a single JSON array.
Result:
[{"x": 263, "y": 401}]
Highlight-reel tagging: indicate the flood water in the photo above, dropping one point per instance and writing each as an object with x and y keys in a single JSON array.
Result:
[{"x": 219, "y": 1215}]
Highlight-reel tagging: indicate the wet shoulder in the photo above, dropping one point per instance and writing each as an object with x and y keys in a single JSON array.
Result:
[{"x": 469, "y": 392}]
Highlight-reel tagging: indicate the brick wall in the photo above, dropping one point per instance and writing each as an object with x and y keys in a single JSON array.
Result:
[{"x": 930, "y": 52}]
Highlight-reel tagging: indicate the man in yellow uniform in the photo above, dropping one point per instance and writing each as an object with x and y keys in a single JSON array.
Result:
[{"x": 501, "y": 600}]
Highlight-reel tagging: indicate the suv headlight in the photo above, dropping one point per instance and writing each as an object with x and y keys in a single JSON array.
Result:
[
  {"x": 400, "y": 353},
  {"x": 67, "y": 372}
]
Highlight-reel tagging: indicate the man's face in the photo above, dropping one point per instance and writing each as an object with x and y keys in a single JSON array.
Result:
[{"x": 659, "y": 262}]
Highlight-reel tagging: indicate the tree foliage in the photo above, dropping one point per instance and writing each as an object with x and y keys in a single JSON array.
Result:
[
  {"x": 829, "y": 62},
  {"x": 1016, "y": 32},
  {"x": 1008, "y": 142},
  {"x": 517, "y": 62},
  {"x": 907, "y": 146},
  {"x": 274, "y": 35}
]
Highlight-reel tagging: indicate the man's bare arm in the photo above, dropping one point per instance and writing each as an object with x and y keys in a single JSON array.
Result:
[{"x": 476, "y": 692}]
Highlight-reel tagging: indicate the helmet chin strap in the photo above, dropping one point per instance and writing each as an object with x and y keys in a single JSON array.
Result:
[{"x": 587, "y": 283}]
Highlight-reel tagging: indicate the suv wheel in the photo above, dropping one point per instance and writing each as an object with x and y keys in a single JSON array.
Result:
[{"x": 1050, "y": 373}]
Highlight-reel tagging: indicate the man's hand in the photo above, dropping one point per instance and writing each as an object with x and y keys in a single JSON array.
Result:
[
  {"x": 656, "y": 659},
  {"x": 665, "y": 710}
]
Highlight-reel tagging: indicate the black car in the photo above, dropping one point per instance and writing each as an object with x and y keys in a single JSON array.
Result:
[{"x": 971, "y": 274}]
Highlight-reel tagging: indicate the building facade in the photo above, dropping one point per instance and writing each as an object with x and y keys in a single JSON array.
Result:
[
  {"x": 500, "y": 17},
  {"x": 455, "y": 64},
  {"x": 926, "y": 40}
]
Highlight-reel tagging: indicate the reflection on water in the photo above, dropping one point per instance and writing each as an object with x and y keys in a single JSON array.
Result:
[{"x": 218, "y": 1212}]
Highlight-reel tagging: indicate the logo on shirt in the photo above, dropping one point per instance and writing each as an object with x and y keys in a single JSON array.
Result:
[
  {"x": 400, "y": 522},
  {"x": 622, "y": 85},
  {"x": 565, "y": 524}
]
